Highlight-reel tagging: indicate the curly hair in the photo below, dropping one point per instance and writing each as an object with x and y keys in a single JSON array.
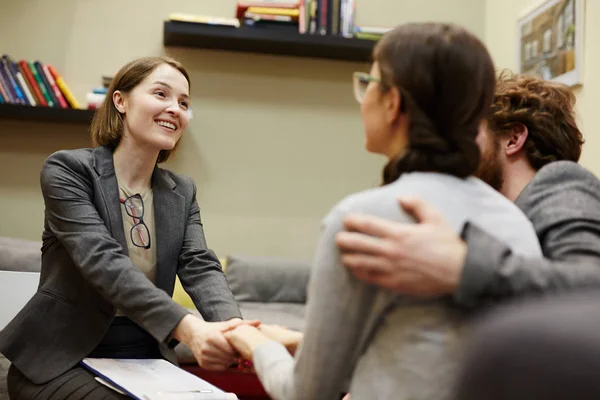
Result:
[
  {"x": 446, "y": 79},
  {"x": 547, "y": 110}
]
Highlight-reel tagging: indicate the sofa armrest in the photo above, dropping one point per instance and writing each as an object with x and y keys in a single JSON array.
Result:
[
  {"x": 267, "y": 279},
  {"x": 20, "y": 255}
]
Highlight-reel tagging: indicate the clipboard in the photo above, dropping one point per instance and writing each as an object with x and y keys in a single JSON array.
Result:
[{"x": 153, "y": 379}]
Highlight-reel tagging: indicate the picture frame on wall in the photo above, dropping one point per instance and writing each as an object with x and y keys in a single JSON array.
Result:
[{"x": 550, "y": 41}]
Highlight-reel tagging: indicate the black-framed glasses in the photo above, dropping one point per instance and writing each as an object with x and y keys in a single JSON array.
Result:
[{"x": 140, "y": 234}]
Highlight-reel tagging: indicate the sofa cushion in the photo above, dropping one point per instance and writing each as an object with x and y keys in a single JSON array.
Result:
[
  {"x": 289, "y": 315},
  {"x": 20, "y": 255},
  {"x": 267, "y": 279}
]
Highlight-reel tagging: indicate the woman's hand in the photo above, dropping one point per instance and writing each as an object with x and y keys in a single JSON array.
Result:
[
  {"x": 289, "y": 338},
  {"x": 245, "y": 338},
  {"x": 206, "y": 341}
]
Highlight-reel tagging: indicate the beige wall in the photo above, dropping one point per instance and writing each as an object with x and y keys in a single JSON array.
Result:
[
  {"x": 275, "y": 141},
  {"x": 501, "y": 38}
]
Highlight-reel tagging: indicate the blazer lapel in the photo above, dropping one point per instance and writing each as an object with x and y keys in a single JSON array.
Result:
[
  {"x": 169, "y": 220},
  {"x": 109, "y": 189}
]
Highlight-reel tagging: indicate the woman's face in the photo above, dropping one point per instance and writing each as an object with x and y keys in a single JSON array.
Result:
[
  {"x": 379, "y": 111},
  {"x": 155, "y": 112}
]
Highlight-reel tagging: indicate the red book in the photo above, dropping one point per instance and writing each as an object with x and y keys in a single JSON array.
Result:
[
  {"x": 37, "y": 93},
  {"x": 55, "y": 89}
]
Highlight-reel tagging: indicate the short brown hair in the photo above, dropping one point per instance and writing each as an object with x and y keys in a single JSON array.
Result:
[
  {"x": 107, "y": 124},
  {"x": 446, "y": 78},
  {"x": 547, "y": 110}
]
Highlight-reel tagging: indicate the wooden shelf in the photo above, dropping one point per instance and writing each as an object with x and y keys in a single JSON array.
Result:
[
  {"x": 45, "y": 114},
  {"x": 266, "y": 41}
]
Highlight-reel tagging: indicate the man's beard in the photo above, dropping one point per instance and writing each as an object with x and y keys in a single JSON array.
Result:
[{"x": 490, "y": 169}]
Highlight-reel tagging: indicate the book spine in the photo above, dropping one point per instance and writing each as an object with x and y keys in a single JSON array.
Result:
[
  {"x": 37, "y": 93},
  {"x": 24, "y": 86},
  {"x": 19, "y": 99},
  {"x": 323, "y": 18},
  {"x": 4, "y": 89},
  {"x": 41, "y": 85},
  {"x": 34, "y": 101},
  {"x": 60, "y": 82},
  {"x": 55, "y": 89},
  {"x": 16, "y": 81},
  {"x": 38, "y": 66}
]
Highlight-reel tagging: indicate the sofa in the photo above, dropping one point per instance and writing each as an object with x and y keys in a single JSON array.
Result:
[{"x": 272, "y": 290}]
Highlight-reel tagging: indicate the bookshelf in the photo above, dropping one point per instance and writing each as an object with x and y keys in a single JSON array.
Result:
[
  {"x": 266, "y": 41},
  {"x": 45, "y": 114}
]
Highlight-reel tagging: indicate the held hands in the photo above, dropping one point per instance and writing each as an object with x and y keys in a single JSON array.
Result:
[
  {"x": 246, "y": 338},
  {"x": 422, "y": 259},
  {"x": 207, "y": 342}
]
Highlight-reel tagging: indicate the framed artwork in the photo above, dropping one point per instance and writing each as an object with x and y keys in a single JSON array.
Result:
[{"x": 550, "y": 41}]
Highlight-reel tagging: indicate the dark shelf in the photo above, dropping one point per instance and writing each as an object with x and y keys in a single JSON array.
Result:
[
  {"x": 45, "y": 114},
  {"x": 266, "y": 41}
]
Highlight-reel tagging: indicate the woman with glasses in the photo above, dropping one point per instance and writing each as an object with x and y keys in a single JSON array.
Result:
[
  {"x": 422, "y": 104},
  {"x": 118, "y": 229}
]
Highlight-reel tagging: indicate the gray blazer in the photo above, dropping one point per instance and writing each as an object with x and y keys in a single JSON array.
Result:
[
  {"x": 563, "y": 203},
  {"x": 86, "y": 272}
]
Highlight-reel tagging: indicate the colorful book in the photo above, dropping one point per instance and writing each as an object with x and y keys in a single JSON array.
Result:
[
  {"x": 206, "y": 20},
  {"x": 55, "y": 89},
  {"x": 34, "y": 100},
  {"x": 28, "y": 75},
  {"x": 38, "y": 66},
  {"x": 242, "y": 7},
  {"x": 60, "y": 82},
  {"x": 292, "y": 12},
  {"x": 15, "y": 90},
  {"x": 41, "y": 85},
  {"x": 24, "y": 87},
  {"x": 4, "y": 88}
]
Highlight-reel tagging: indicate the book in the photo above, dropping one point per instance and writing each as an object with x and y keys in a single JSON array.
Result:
[
  {"x": 57, "y": 93},
  {"x": 153, "y": 379},
  {"x": 206, "y": 20},
  {"x": 243, "y": 6},
  {"x": 36, "y": 91},
  {"x": 41, "y": 84},
  {"x": 40, "y": 70},
  {"x": 64, "y": 89}
]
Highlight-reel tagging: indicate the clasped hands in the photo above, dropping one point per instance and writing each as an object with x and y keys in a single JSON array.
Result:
[{"x": 217, "y": 345}]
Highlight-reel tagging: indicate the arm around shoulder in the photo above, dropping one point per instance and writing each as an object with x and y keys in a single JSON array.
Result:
[{"x": 567, "y": 222}]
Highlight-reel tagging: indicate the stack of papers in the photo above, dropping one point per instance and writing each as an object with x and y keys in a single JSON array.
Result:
[{"x": 153, "y": 379}]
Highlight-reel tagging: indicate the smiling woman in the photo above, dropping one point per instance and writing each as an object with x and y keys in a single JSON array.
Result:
[{"x": 117, "y": 231}]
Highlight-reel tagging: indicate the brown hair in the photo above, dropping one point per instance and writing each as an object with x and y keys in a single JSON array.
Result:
[
  {"x": 107, "y": 124},
  {"x": 446, "y": 79},
  {"x": 546, "y": 109}
]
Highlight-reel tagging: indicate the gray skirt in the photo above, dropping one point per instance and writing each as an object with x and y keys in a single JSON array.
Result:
[{"x": 75, "y": 384}]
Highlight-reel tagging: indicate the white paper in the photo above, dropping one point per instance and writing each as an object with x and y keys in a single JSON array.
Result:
[{"x": 155, "y": 379}]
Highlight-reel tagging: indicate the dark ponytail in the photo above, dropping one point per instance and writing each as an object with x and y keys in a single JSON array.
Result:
[{"x": 446, "y": 80}]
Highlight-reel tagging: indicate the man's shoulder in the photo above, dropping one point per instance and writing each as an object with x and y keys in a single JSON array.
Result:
[
  {"x": 564, "y": 172},
  {"x": 561, "y": 190}
]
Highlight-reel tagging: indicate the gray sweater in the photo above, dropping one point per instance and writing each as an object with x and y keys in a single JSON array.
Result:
[{"x": 388, "y": 346}]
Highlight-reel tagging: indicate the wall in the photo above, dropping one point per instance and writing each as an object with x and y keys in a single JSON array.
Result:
[
  {"x": 501, "y": 38},
  {"x": 275, "y": 141}
]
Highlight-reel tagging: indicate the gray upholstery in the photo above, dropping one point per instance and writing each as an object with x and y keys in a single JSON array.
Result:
[
  {"x": 271, "y": 290},
  {"x": 20, "y": 255},
  {"x": 267, "y": 279},
  {"x": 268, "y": 289}
]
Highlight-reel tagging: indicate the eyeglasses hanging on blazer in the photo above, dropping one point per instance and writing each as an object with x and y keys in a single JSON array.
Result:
[{"x": 140, "y": 235}]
